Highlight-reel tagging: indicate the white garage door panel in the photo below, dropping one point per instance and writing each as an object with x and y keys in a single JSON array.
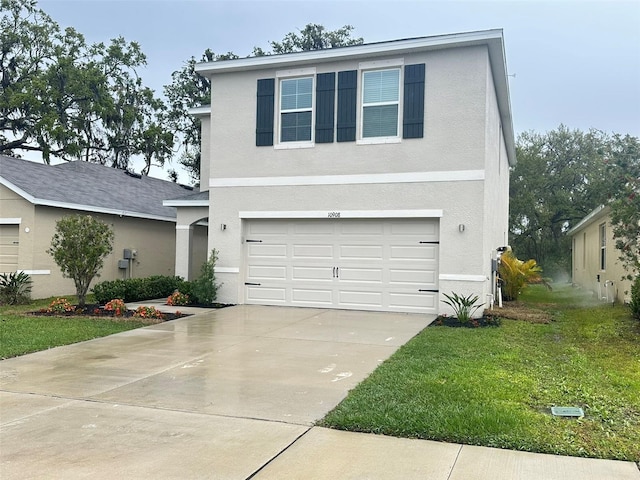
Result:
[
  {"x": 361, "y": 275},
  {"x": 425, "y": 278},
  {"x": 413, "y": 301},
  {"x": 363, "y": 300},
  {"x": 361, "y": 252},
  {"x": 312, "y": 251},
  {"x": 268, "y": 271},
  {"x": 268, "y": 296},
  {"x": 267, "y": 250},
  {"x": 312, "y": 274},
  {"x": 369, "y": 264},
  {"x": 312, "y": 297}
]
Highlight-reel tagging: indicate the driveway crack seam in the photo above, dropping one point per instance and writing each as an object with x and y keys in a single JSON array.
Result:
[
  {"x": 278, "y": 454},
  {"x": 455, "y": 462}
]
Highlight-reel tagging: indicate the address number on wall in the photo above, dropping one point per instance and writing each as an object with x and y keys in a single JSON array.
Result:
[{"x": 333, "y": 215}]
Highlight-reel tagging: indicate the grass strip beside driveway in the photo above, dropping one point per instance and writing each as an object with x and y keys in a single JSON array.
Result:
[
  {"x": 495, "y": 386},
  {"x": 21, "y": 333}
]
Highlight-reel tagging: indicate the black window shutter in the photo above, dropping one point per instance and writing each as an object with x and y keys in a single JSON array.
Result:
[
  {"x": 325, "y": 110},
  {"x": 264, "y": 112},
  {"x": 413, "y": 116},
  {"x": 347, "y": 100}
]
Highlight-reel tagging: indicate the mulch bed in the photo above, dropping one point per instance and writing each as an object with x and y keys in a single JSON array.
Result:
[
  {"x": 446, "y": 321},
  {"x": 491, "y": 318},
  {"x": 96, "y": 310}
]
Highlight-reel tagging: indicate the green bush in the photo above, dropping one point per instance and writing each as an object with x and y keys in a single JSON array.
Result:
[
  {"x": 204, "y": 288},
  {"x": 137, "y": 289},
  {"x": 463, "y": 307},
  {"x": 516, "y": 275},
  {"x": 634, "y": 305},
  {"x": 15, "y": 288}
]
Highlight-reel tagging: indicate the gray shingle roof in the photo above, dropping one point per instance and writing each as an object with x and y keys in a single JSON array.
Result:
[{"x": 90, "y": 187}]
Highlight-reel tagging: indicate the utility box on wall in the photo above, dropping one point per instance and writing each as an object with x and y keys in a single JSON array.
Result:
[
  {"x": 128, "y": 253},
  {"x": 123, "y": 264}
]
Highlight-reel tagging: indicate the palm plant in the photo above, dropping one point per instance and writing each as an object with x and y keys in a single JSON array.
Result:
[{"x": 516, "y": 274}]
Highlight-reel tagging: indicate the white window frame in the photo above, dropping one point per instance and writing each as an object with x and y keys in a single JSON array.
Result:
[
  {"x": 380, "y": 65},
  {"x": 602, "y": 233},
  {"x": 295, "y": 74}
]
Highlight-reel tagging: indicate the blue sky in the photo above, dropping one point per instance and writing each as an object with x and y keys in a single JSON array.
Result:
[{"x": 575, "y": 62}]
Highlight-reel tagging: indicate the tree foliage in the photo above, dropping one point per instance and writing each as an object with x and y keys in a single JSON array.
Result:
[
  {"x": 563, "y": 175},
  {"x": 623, "y": 160},
  {"x": 79, "y": 246},
  {"x": 560, "y": 177},
  {"x": 67, "y": 99},
  {"x": 188, "y": 89}
]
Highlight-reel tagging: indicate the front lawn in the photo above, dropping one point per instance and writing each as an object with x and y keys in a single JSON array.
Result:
[
  {"x": 495, "y": 386},
  {"x": 22, "y": 333}
]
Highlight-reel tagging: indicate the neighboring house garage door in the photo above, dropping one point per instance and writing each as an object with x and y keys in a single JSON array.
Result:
[
  {"x": 363, "y": 264},
  {"x": 8, "y": 248}
]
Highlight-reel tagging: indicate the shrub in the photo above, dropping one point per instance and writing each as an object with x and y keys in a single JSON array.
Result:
[
  {"x": 117, "y": 306},
  {"x": 205, "y": 289},
  {"x": 60, "y": 305},
  {"x": 79, "y": 246},
  {"x": 634, "y": 305},
  {"x": 178, "y": 298},
  {"x": 148, "y": 312},
  {"x": 15, "y": 288},
  {"x": 137, "y": 289},
  {"x": 463, "y": 307},
  {"x": 516, "y": 274}
]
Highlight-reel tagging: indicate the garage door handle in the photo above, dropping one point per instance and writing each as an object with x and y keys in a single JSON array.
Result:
[
  {"x": 336, "y": 272},
  {"x": 252, "y": 284},
  {"x": 432, "y": 291}
]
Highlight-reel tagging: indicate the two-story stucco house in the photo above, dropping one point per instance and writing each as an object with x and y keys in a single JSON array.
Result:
[{"x": 370, "y": 177}]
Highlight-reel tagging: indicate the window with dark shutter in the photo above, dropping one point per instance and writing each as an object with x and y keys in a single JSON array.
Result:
[
  {"x": 347, "y": 104},
  {"x": 413, "y": 108},
  {"x": 325, "y": 109},
  {"x": 264, "y": 112}
]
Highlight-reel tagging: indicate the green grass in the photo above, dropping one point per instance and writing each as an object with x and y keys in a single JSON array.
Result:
[
  {"x": 21, "y": 333},
  {"x": 494, "y": 386}
]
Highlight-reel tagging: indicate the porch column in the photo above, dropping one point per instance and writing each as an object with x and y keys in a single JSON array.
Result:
[{"x": 184, "y": 240}]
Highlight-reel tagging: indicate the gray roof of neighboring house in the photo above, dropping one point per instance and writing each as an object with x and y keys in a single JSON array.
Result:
[{"x": 90, "y": 187}]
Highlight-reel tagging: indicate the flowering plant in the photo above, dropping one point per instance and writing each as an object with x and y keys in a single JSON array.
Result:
[
  {"x": 117, "y": 306},
  {"x": 60, "y": 305},
  {"x": 147, "y": 312},
  {"x": 177, "y": 298}
]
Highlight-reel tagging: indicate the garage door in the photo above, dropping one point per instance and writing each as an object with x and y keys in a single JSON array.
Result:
[
  {"x": 364, "y": 264},
  {"x": 8, "y": 248}
]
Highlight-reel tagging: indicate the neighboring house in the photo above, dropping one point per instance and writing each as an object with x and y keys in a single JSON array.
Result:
[
  {"x": 595, "y": 262},
  {"x": 34, "y": 196},
  {"x": 371, "y": 177}
]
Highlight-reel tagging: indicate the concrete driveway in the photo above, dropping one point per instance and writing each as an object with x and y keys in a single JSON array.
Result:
[
  {"x": 233, "y": 394},
  {"x": 216, "y": 395}
]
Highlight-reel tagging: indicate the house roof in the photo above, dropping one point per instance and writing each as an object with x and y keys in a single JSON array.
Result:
[
  {"x": 90, "y": 187},
  {"x": 595, "y": 215},
  {"x": 492, "y": 39},
  {"x": 199, "y": 199}
]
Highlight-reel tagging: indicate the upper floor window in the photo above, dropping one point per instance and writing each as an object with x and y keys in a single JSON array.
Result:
[
  {"x": 296, "y": 108},
  {"x": 603, "y": 247},
  {"x": 380, "y": 103}
]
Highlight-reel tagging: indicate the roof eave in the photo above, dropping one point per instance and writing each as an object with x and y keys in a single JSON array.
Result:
[{"x": 596, "y": 214}]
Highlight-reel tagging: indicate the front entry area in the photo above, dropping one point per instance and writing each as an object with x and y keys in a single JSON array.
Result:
[{"x": 388, "y": 264}]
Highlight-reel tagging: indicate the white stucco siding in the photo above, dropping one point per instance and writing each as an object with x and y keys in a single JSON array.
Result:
[
  {"x": 496, "y": 193},
  {"x": 454, "y": 134}
]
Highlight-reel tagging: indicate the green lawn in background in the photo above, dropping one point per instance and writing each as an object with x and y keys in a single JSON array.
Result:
[
  {"x": 21, "y": 333},
  {"x": 495, "y": 386}
]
